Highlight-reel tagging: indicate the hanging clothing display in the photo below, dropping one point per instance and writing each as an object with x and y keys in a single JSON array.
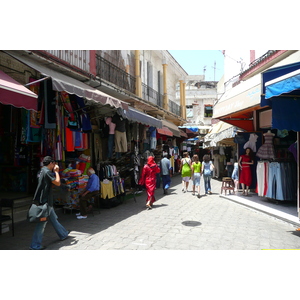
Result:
[
  {"x": 152, "y": 135},
  {"x": 262, "y": 170},
  {"x": 277, "y": 180},
  {"x": 251, "y": 142},
  {"x": 293, "y": 149},
  {"x": 120, "y": 134},
  {"x": 266, "y": 151}
]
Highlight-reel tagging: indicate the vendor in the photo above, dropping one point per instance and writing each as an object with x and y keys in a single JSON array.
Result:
[{"x": 91, "y": 190}]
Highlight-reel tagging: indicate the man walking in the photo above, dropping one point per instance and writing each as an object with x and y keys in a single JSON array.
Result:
[
  {"x": 49, "y": 175},
  {"x": 166, "y": 172}
]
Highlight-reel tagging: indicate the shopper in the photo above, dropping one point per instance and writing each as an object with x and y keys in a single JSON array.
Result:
[
  {"x": 246, "y": 175},
  {"x": 206, "y": 170},
  {"x": 235, "y": 176},
  {"x": 91, "y": 190},
  {"x": 186, "y": 171},
  {"x": 166, "y": 172},
  {"x": 43, "y": 194},
  {"x": 148, "y": 178},
  {"x": 196, "y": 169}
]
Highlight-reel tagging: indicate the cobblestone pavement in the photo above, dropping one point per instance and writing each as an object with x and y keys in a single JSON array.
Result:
[{"x": 178, "y": 221}]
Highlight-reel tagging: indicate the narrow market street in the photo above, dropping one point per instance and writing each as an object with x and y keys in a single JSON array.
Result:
[{"x": 178, "y": 221}]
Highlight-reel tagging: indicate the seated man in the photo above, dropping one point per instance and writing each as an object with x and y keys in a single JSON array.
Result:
[{"x": 91, "y": 190}]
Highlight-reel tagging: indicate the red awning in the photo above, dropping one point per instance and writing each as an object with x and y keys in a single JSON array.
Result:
[
  {"x": 242, "y": 119},
  {"x": 182, "y": 133},
  {"x": 14, "y": 93},
  {"x": 165, "y": 131}
]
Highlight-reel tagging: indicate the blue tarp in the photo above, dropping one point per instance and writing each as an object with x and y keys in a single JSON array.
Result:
[
  {"x": 283, "y": 87},
  {"x": 285, "y": 110},
  {"x": 273, "y": 74},
  {"x": 194, "y": 129},
  {"x": 286, "y": 113}
]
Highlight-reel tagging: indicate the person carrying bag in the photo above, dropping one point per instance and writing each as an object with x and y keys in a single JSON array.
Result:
[{"x": 43, "y": 197}]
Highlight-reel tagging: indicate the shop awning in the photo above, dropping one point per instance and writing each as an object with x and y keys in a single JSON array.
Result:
[
  {"x": 172, "y": 127},
  {"x": 281, "y": 91},
  {"x": 140, "y": 117},
  {"x": 183, "y": 134},
  {"x": 221, "y": 134},
  {"x": 280, "y": 80},
  {"x": 165, "y": 131},
  {"x": 14, "y": 93},
  {"x": 283, "y": 85},
  {"x": 195, "y": 128},
  {"x": 61, "y": 82}
]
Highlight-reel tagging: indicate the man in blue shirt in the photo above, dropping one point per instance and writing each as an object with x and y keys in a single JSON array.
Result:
[
  {"x": 91, "y": 190},
  {"x": 166, "y": 171}
]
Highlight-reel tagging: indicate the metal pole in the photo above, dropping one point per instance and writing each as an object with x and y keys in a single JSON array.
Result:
[{"x": 39, "y": 80}]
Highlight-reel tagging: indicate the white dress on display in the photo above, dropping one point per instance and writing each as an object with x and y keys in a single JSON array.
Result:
[{"x": 252, "y": 142}]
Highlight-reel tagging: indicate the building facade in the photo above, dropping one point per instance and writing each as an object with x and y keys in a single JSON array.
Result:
[{"x": 263, "y": 100}]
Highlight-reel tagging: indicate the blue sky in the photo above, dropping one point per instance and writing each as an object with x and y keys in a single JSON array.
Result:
[{"x": 194, "y": 61}]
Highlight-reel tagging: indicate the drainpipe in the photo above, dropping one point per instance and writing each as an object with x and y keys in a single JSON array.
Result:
[
  {"x": 126, "y": 65},
  {"x": 181, "y": 99},
  {"x": 138, "y": 82},
  {"x": 184, "y": 104},
  {"x": 165, "y": 98}
]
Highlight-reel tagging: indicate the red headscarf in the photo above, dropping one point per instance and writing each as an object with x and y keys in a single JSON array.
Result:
[{"x": 151, "y": 161}]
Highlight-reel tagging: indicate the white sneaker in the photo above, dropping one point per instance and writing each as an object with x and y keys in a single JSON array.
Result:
[
  {"x": 81, "y": 217},
  {"x": 78, "y": 214}
]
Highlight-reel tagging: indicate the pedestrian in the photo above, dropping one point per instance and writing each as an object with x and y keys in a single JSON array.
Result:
[
  {"x": 91, "y": 190},
  {"x": 235, "y": 176},
  {"x": 42, "y": 195},
  {"x": 246, "y": 175},
  {"x": 148, "y": 178},
  {"x": 186, "y": 171},
  {"x": 196, "y": 169},
  {"x": 206, "y": 170},
  {"x": 166, "y": 172}
]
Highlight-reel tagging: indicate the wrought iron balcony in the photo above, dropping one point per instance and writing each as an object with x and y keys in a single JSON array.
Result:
[
  {"x": 152, "y": 95},
  {"x": 174, "y": 108},
  {"x": 110, "y": 72}
]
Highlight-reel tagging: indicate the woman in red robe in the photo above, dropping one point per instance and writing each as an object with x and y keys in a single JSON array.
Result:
[
  {"x": 148, "y": 179},
  {"x": 246, "y": 176}
]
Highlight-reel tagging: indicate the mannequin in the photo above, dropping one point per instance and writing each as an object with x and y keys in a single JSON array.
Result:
[
  {"x": 244, "y": 162},
  {"x": 120, "y": 135},
  {"x": 111, "y": 135},
  {"x": 269, "y": 133},
  {"x": 266, "y": 151}
]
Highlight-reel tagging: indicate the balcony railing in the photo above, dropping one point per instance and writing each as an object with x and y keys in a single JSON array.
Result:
[
  {"x": 174, "y": 108},
  {"x": 151, "y": 95},
  {"x": 110, "y": 72}
]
